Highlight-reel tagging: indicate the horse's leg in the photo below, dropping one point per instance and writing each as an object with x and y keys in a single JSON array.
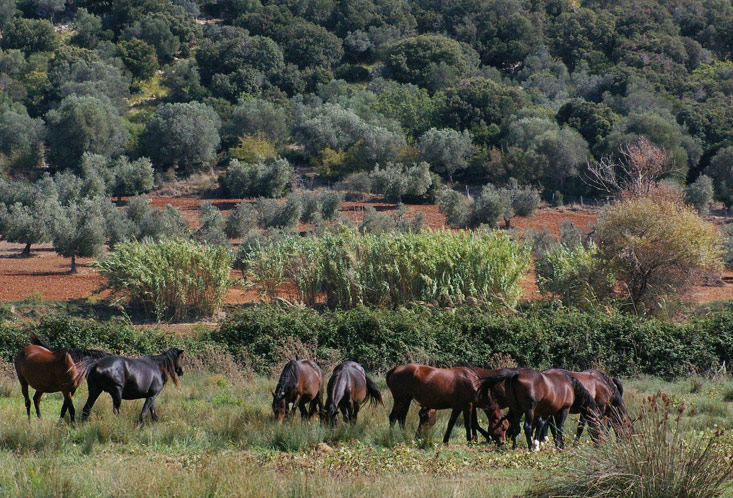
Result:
[
  {"x": 296, "y": 404},
  {"x": 476, "y": 427},
  {"x": 146, "y": 406},
  {"x": 313, "y": 409},
  {"x": 37, "y": 402},
  {"x": 467, "y": 418},
  {"x": 303, "y": 410},
  {"x": 399, "y": 412},
  {"x": 116, "y": 400},
  {"x": 24, "y": 389},
  {"x": 528, "y": 421},
  {"x": 560, "y": 426},
  {"x": 153, "y": 412},
  {"x": 94, "y": 392},
  {"x": 581, "y": 426},
  {"x": 354, "y": 411},
  {"x": 68, "y": 405},
  {"x": 451, "y": 422}
]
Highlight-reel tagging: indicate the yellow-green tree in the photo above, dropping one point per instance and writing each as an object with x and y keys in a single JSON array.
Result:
[{"x": 657, "y": 246}]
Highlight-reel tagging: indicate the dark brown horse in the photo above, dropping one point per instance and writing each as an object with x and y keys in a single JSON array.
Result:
[
  {"x": 348, "y": 388},
  {"x": 301, "y": 382},
  {"x": 49, "y": 371},
  {"x": 608, "y": 399},
  {"x": 540, "y": 395},
  {"x": 441, "y": 389}
]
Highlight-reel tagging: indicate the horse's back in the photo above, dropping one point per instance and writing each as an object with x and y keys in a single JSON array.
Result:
[
  {"x": 45, "y": 370},
  {"x": 433, "y": 387},
  {"x": 310, "y": 378}
]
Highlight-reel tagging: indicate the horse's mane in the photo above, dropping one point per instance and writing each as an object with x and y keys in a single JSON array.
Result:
[
  {"x": 583, "y": 399},
  {"x": 167, "y": 363},
  {"x": 616, "y": 399},
  {"x": 619, "y": 385},
  {"x": 288, "y": 377}
]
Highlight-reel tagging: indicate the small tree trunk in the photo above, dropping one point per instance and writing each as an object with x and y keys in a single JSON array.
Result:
[
  {"x": 507, "y": 223},
  {"x": 73, "y": 263},
  {"x": 26, "y": 250}
]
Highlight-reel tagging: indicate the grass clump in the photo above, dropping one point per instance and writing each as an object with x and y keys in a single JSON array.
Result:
[
  {"x": 660, "y": 459},
  {"x": 171, "y": 279}
]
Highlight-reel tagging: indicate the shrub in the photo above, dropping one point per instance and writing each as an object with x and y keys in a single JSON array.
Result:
[
  {"x": 456, "y": 208},
  {"x": 396, "y": 181},
  {"x": 241, "y": 221},
  {"x": 171, "y": 279},
  {"x": 578, "y": 275},
  {"x": 492, "y": 205},
  {"x": 577, "y": 340},
  {"x": 276, "y": 214},
  {"x": 691, "y": 465},
  {"x": 252, "y": 149},
  {"x": 657, "y": 247},
  {"x": 319, "y": 206},
  {"x": 570, "y": 235},
  {"x": 390, "y": 268},
  {"x": 211, "y": 230},
  {"x": 267, "y": 177},
  {"x": 700, "y": 194},
  {"x": 727, "y": 233}
]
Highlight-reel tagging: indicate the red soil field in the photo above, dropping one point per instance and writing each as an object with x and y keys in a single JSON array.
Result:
[{"x": 45, "y": 275}]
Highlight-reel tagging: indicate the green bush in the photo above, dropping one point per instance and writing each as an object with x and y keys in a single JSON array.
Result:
[
  {"x": 578, "y": 276},
  {"x": 539, "y": 337},
  {"x": 171, "y": 279},
  {"x": 391, "y": 268},
  {"x": 266, "y": 177}
]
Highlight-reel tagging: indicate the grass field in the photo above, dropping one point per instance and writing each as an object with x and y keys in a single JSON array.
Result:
[{"x": 216, "y": 437}]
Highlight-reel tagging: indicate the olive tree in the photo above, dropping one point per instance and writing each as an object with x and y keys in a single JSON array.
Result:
[
  {"x": 447, "y": 150},
  {"x": 182, "y": 134},
  {"x": 79, "y": 230}
]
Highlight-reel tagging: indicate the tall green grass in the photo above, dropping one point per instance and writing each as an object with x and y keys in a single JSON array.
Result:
[
  {"x": 344, "y": 269},
  {"x": 171, "y": 279}
]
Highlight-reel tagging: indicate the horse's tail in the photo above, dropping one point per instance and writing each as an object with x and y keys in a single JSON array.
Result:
[
  {"x": 389, "y": 374},
  {"x": 616, "y": 399},
  {"x": 83, "y": 367},
  {"x": 37, "y": 341},
  {"x": 619, "y": 385},
  {"x": 373, "y": 394}
]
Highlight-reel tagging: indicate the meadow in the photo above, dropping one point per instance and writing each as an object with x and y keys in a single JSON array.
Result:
[{"x": 216, "y": 437}]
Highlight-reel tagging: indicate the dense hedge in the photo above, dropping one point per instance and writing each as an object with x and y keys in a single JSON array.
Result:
[
  {"x": 115, "y": 336},
  {"x": 538, "y": 338}
]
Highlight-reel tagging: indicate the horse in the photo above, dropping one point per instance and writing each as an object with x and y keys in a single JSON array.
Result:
[
  {"x": 49, "y": 371},
  {"x": 540, "y": 395},
  {"x": 348, "y": 388},
  {"x": 440, "y": 389},
  {"x": 301, "y": 382},
  {"x": 608, "y": 398},
  {"x": 133, "y": 378}
]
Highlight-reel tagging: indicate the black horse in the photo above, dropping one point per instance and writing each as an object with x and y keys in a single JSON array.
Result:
[{"x": 133, "y": 378}]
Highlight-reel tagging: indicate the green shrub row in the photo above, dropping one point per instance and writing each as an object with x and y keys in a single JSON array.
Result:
[{"x": 540, "y": 337}]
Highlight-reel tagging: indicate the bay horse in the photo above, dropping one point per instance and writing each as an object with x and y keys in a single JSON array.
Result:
[
  {"x": 301, "y": 382},
  {"x": 540, "y": 395},
  {"x": 348, "y": 388},
  {"x": 608, "y": 398},
  {"x": 49, "y": 371},
  {"x": 133, "y": 378},
  {"x": 441, "y": 389}
]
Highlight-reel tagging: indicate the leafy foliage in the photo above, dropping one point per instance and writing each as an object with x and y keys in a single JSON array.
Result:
[{"x": 171, "y": 279}]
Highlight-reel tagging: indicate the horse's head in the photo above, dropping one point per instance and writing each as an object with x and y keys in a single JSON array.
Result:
[
  {"x": 622, "y": 423},
  {"x": 427, "y": 418},
  {"x": 178, "y": 362},
  {"x": 329, "y": 414},
  {"x": 279, "y": 405}
]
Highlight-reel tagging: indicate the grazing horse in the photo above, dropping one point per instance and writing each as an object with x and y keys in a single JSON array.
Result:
[
  {"x": 348, "y": 388},
  {"x": 301, "y": 382},
  {"x": 541, "y": 395},
  {"x": 133, "y": 378},
  {"x": 49, "y": 371},
  {"x": 607, "y": 396},
  {"x": 440, "y": 389}
]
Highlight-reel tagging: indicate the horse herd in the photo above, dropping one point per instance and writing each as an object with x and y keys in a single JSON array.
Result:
[{"x": 544, "y": 398}]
